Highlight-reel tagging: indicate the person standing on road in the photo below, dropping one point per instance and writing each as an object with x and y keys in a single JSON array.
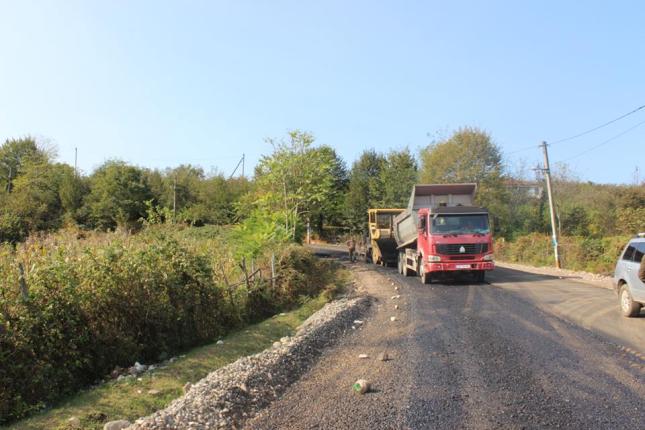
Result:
[{"x": 351, "y": 247}]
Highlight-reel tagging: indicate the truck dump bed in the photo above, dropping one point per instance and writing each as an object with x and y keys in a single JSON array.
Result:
[{"x": 429, "y": 196}]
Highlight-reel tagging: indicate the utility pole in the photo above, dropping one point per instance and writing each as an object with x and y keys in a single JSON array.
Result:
[
  {"x": 240, "y": 163},
  {"x": 75, "y": 161},
  {"x": 547, "y": 174},
  {"x": 174, "y": 200}
]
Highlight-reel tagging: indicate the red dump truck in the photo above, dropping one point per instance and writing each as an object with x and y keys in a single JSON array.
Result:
[{"x": 441, "y": 233}]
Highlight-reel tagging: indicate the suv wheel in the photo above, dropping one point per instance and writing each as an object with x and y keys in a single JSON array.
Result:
[{"x": 628, "y": 306}]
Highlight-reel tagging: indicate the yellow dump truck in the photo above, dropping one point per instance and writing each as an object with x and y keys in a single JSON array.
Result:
[{"x": 381, "y": 247}]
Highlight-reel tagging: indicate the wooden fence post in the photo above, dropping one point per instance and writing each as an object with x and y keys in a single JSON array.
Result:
[
  {"x": 24, "y": 291},
  {"x": 273, "y": 270},
  {"x": 246, "y": 274}
]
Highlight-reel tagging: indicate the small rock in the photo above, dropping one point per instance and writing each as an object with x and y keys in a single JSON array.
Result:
[
  {"x": 151, "y": 367},
  {"x": 137, "y": 369},
  {"x": 284, "y": 339},
  {"x": 219, "y": 342},
  {"x": 358, "y": 322},
  {"x": 393, "y": 319},
  {"x": 116, "y": 372},
  {"x": 276, "y": 344},
  {"x": 74, "y": 423},
  {"x": 116, "y": 425},
  {"x": 384, "y": 356},
  {"x": 363, "y": 356},
  {"x": 187, "y": 387},
  {"x": 139, "y": 391},
  {"x": 282, "y": 314},
  {"x": 396, "y": 306},
  {"x": 396, "y": 297},
  {"x": 153, "y": 392},
  {"x": 243, "y": 387},
  {"x": 120, "y": 378},
  {"x": 353, "y": 327},
  {"x": 361, "y": 386}
]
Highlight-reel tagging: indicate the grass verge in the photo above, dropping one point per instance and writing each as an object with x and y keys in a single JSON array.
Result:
[{"x": 131, "y": 398}]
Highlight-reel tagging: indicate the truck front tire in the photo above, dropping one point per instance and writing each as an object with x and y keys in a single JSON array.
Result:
[
  {"x": 479, "y": 275},
  {"x": 423, "y": 276}
]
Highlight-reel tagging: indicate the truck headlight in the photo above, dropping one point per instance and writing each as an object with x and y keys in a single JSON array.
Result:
[
  {"x": 432, "y": 258},
  {"x": 488, "y": 257}
]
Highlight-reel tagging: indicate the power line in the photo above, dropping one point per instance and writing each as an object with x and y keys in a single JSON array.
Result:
[
  {"x": 605, "y": 141},
  {"x": 523, "y": 149},
  {"x": 575, "y": 136}
]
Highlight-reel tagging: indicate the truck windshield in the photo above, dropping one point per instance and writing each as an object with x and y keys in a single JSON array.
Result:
[{"x": 459, "y": 224}]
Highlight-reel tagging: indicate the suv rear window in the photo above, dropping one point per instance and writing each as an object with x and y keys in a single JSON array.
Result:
[{"x": 629, "y": 253}]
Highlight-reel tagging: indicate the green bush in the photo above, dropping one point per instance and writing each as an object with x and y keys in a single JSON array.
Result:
[
  {"x": 585, "y": 253},
  {"x": 111, "y": 299}
]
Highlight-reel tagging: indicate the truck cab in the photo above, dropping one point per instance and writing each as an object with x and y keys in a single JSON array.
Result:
[{"x": 455, "y": 239}]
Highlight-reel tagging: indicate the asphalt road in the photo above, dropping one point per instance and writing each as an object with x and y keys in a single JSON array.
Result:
[{"x": 524, "y": 351}]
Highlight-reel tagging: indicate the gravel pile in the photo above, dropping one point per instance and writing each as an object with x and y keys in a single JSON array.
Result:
[
  {"x": 229, "y": 396},
  {"x": 593, "y": 278}
]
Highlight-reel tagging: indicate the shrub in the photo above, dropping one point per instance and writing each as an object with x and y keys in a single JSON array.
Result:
[
  {"x": 112, "y": 299},
  {"x": 597, "y": 255}
]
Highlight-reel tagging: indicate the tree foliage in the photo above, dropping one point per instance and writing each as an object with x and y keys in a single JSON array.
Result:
[
  {"x": 470, "y": 155},
  {"x": 118, "y": 195},
  {"x": 301, "y": 182},
  {"x": 398, "y": 175},
  {"x": 296, "y": 180},
  {"x": 364, "y": 187}
]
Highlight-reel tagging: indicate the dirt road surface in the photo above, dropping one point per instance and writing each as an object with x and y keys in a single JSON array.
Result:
[{"x": 521, "y": 351}]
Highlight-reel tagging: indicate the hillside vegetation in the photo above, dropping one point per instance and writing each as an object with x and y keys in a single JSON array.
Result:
[{"x": 72, "y": 309}]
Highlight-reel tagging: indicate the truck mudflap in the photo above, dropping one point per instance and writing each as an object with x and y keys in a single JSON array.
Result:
[{"x": 459, "y": 266}]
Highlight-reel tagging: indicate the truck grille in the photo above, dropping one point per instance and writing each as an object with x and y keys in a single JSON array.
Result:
[{"x": 469, "y": 248}]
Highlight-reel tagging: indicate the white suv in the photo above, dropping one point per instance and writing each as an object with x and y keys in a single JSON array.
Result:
[{"x": 628, "y": 285}]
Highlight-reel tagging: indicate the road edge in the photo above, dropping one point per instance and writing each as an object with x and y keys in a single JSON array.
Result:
[{"x": 231, "y": 395}]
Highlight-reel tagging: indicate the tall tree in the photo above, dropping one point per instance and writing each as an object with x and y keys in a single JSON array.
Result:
[
  {"x": 295, "y": 180},
  {"x": 330, "y": 211},
  {"x": 118, "y": 195},
  {"x": 470, "y": 155},
  {"x": 397, "y": 177},
  {"x": 365, "y": 188},
  {"x": 15, "y": 154}
]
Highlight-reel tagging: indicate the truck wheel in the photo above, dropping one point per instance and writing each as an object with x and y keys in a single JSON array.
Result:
[
  {"x": 423, "y": 276},
  {"x": 628, "y": 306},
  {"x": 479, "y": 275},
  {"x": 401, "y": 263}
]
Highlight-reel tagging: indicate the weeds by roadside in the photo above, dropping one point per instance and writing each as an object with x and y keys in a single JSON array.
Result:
[
  {"x": 71, "y": 310},
  {"x": 596, "y": 255}
]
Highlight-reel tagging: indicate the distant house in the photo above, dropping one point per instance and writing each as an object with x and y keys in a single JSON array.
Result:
[{"x": 528, "y": 188}]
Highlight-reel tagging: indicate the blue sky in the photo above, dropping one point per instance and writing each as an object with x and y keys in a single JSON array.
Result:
[{"x": 160, "y": 83}]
